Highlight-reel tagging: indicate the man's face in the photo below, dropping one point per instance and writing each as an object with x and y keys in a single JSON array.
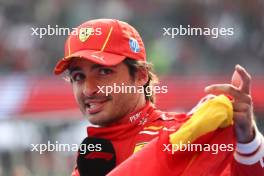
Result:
[{"x": 100, "y": 109}]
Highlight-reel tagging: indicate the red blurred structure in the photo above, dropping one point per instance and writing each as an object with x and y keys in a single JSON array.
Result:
[{"x": 49, "y": 97}]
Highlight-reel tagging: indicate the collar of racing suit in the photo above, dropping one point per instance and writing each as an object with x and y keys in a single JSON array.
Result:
[{"x": 136, "y": 121}]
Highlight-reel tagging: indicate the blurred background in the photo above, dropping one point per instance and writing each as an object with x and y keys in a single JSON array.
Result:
[{"x": 37, "y": 107}]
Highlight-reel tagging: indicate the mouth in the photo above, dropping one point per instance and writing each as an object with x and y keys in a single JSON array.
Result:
[{"x": 94, "y": 106}]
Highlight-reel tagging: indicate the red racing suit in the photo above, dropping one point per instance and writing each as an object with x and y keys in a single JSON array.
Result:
[{"x": 146, "y": 124}]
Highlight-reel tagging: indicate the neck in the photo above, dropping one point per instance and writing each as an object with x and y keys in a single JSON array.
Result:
[{"x": 139, "y": 104}]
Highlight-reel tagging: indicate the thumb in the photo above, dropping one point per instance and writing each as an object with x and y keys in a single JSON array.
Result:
[{"x": 236, "y": 79}]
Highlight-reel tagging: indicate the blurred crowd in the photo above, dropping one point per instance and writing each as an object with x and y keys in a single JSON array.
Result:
[{"x": 22, "y": 52}]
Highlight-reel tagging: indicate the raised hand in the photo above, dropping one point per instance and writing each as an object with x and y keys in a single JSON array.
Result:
[{"x": 239, "y": 89}]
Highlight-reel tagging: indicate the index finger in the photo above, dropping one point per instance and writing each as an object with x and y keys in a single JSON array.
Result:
[
  {"x": 245, "y": 78},
  {"x": 228, "y": 89}
]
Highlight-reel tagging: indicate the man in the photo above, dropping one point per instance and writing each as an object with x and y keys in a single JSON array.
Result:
[{"x": 105, "y": 52}]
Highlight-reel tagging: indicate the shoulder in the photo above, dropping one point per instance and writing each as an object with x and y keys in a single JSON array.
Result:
[
  {"x": 160, "y": 119},
  {"x": 175, "y": 118}
]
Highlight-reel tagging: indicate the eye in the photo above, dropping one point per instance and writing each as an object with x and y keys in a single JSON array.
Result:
[
  {"x": 105, "y": 71},
  {"x": 76, "y": 77}
]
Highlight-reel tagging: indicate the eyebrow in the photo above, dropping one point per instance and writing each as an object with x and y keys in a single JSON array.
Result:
[
  {"x": 72, "y": 69},
  {"x": 95, "y": 66}
]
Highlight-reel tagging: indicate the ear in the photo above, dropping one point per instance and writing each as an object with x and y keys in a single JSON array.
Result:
[{"x": 141, "y": 77}]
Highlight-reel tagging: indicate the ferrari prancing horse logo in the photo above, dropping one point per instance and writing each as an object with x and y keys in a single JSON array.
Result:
[{"x": 84, "y": 33}]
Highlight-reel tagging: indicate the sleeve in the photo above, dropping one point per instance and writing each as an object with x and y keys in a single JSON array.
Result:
[
  {"x": 249, "y": 158},
  {"x": 210, "y": 125}
]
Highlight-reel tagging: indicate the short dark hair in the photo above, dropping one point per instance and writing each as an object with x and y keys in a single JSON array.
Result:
[{"x": 133, "y": 66}]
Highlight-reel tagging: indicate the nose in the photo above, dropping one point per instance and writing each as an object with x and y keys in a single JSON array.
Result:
[{"x": 90, "y": 87}]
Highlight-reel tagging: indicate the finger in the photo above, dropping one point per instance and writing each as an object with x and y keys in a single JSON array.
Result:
[
  {"x": 244, "y": 98},
  {"x": 236, "y": 79},
  {"x": 240, "y": 116},
  {"x": 228, "y": 89},
  {"x": 245, "y": 79},
  {"x": 241, "y": 107},
  {"x": 218, "y": 89}
]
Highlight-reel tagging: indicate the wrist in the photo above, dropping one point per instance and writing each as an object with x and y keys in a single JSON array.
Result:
[
  {"x": 247, "y": 136},
  {"x": 251, "y": 152}
]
